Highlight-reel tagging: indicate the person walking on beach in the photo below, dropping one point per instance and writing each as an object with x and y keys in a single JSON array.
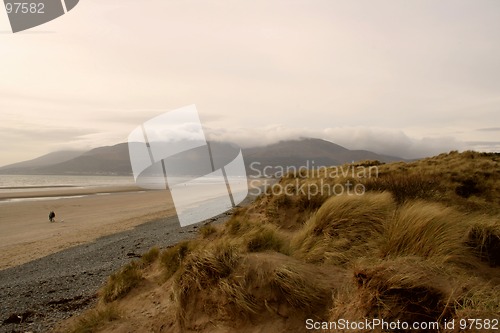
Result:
[{"x": 52, "y": 216}]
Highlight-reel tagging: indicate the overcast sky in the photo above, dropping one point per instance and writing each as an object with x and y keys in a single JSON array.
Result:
[{"x": 407, "y": 78}]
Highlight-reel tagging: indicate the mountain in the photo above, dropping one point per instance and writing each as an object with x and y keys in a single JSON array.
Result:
[
  {"x": 267, "y": 160},
  {"x": 307, "y": 153},
  {"x": 42, "y": 161},
  {"x": 109, "y": 160}
]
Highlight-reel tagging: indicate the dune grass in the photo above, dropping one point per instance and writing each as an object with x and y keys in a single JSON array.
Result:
[
  {"x": 172, "y": 258},
  {"x": 150, "y": 256},
  {"x": 343, "y": 228},
  {"x": 479, "y": 301},
  {"x": 121, "y": 282},
  {"x": 96, "y": 319},
  {"x": 406, "y": 186},
  {"x": 426, "y": 230},
  {"x": 201, "y": 270},
  {"x": 484, "y": 238},
  {"x": 207, "y": 230},
  {"x": 265, "y": 238},
  {"x": 298, "y": 288},
  {"x": 422, "y": 244},
  {"x": 406, "y": 288}
]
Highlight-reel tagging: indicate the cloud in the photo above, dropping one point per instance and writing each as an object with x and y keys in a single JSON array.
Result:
[
  {"x": 428, "y": 70},
  {"x": 254, "y": 137},
  {"x": 20, "y": 144},
  {"x": 89, "y": 141},
  {"x": 489, "y": 129},
  {"x": 392, "y": 142},
  {"x": 486, "y": 146},
  {"x": 379, "y": 140}
]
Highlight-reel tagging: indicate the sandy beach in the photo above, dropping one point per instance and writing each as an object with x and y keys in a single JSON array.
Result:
[
  {"x": 82, "y": 215},
  {"x": 51, "y": 271}
]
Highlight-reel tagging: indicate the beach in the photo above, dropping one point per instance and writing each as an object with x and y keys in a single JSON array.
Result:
[
  {"x": 40, "y": 293},
  {"x": 52, "y": 271},
  {"x": 83, "y": 214}
]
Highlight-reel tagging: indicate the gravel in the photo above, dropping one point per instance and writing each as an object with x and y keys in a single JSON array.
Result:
[{"x": 37, "y": 295}]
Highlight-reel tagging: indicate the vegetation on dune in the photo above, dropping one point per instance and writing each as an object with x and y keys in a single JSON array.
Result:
[
  {"x": 150, "y": 256},
  {"x": 96, "y": 319},
  {"x": 121, "y": 282},
  {"x": 428, "y": 231},
  {"x": 342, "y": 229},
  {"x": 468, "y": 181},
  {"x": 172, "y": 258},
  {"x": 421, "y": 245}
]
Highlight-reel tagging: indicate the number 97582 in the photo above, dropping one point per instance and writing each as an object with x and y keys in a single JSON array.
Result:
[{"x": 25, "y": 8}]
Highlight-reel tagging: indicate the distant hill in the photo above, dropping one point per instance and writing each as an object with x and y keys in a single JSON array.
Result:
[
  {"x": 42, "y": 161},
  {"x": 307, "y": 153},
  {"x": 109, "y": 160},
  {"x": 115, "y": 160}
]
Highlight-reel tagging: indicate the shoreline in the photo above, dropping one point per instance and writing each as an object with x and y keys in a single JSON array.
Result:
[
  {"x": 34, "y": 187},
  {"x": 66, "y": 190},
  {"x": 82, "y": 216},
  {"x": 39, "y": 294},
  {"x": 64, "y": 280}
]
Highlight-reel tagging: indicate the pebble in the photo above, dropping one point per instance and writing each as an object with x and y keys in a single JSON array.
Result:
[{"x": 37, "y": 295}]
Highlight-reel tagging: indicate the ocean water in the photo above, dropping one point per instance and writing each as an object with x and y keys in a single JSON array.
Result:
[
  {"x": 194, "y": 200},
  {"x": 33, "y": 182},
  {"x": 11, "y": 185},
  {"x": 25, "y": 182}
]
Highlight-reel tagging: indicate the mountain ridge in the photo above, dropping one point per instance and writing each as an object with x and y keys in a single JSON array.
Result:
[
  {"x": 44, "y": 160},
  {"x": 115, "y": 160}
]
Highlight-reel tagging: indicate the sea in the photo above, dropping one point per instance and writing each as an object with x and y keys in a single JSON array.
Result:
[
  {"x": 10, "y": 183},
  {"x": 195, "y": 200},
  {"x": 208, "y": 192}
]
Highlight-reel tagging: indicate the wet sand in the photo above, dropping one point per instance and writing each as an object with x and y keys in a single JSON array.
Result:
[{"x": 82, "y": 215}]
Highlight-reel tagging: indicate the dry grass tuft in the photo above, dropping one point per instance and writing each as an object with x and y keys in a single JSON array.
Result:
[
  {"x": 484, "y": 238},
  {"x": 480, "y": 301},
  {"x": 121, "y": 282},
  {"x": 405, "y": 289},
  {"x": 405, "y": 187},
  {"x": 344, "y": 228},
  {"x": 220, "y": 282},
  {"x": 311, "y": 203},
  {"x": 172, "y": 258},
  {"x": 204, "y": 266},
  {"x": 201, "y": 269},
  {"x": 149, "y": 257},
  {"x": 207, "y": 230},
  {"x": 298, "y": 289},
  {"x": 238, "y": 226},
  {"x": 265, "y": 238},
  {"x": 238, "y": 298},
  {"x": 96, "y": 319},
  {"x": 426, "y": 230},
  {"x": 364, "y": 213}
]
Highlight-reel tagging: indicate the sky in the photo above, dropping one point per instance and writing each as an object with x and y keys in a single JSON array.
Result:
[{"x": 406, "y": 78}]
